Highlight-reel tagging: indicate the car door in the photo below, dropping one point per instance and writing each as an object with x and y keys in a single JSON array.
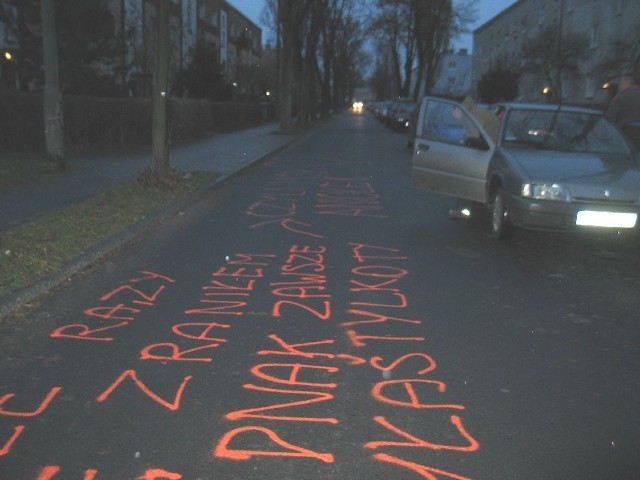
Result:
[{"x": 451, "y": 150}]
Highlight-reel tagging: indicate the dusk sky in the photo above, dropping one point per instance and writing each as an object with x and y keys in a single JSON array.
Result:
[{"x": 486, "y": 10}]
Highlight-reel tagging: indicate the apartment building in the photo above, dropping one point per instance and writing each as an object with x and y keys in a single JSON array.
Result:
[
  {"x": 8, "y": 48},
  {"x": 603, "y": 22},
  {"x": 453, "y": 78},
  {"x": 235, "y": 38}
]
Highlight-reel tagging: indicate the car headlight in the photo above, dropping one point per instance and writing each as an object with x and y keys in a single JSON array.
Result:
[{"x": 545, "y": 191}]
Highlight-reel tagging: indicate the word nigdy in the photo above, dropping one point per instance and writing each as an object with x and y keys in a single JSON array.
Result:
[
  {"x": 337, "y": 196},
  {"x": 349, "y": 197},
  {"x": 279, "y": 204}
]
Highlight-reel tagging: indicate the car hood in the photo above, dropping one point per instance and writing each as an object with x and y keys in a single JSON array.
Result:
[{"x": 586, "y": 175}]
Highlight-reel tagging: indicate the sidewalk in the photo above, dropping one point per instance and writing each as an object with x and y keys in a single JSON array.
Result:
[{"x": 225, "y": 153}]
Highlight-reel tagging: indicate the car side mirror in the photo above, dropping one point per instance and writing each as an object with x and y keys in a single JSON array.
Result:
[{"x": 478, "y": 143}]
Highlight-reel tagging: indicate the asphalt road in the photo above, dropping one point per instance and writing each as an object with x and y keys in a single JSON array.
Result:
[{"x": 316, "y": 318}]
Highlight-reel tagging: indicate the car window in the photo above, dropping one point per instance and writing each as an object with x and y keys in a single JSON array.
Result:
[
  {"x": 446, "y": 122},
  {"x": 564, "y": 131},
  {"x": 408, "y": 108}
]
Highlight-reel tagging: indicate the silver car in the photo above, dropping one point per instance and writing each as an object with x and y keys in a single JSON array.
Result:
[{"x": 537, "y": 166}]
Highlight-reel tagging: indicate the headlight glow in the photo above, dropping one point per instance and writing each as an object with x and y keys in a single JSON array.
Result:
[{"x": 545, "y": 191}]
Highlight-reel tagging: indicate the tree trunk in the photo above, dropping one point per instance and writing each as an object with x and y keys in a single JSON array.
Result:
[
  {"x": 328, "y": 56},
  {"x": 160, "y": 93},
  {"x": 53, "y": 129},
  {"x": 286, "y": 65}
]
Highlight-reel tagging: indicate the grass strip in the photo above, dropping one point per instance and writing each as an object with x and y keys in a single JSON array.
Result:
[
  {"x": 22, "y": 168},
  {"x": 32, "y": 251}
]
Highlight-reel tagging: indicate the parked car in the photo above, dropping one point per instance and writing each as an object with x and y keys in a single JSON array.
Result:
[
  {"x": 546, "y": 167},
  {"x": 381, "y": 109},
  {"x": 411, "y": 127},
  {"x": 399, "y": 114}
]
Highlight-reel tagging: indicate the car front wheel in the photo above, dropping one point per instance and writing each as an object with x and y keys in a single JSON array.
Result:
[{"x": 500, "y": 228}]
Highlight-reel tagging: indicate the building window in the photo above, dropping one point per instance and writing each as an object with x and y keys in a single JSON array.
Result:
[
  {"x": 590, "y": 88},
  {"x": 594, "y": 36},
  {"x": 224, "y": 49}
]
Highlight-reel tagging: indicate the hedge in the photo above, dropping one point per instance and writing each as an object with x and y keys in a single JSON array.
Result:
[{"x": 98, "y": 124}]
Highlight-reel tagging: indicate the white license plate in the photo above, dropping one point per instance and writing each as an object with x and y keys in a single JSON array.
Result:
[{"x": 589, "y": 218}]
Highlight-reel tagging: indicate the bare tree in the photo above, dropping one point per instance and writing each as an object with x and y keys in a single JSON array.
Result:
[
  {"x": 434, "y": 24},
  {"x": 393, "y": 29},
  {"x": 318, "y": 46},
  {"x": 348, "y": 66},
  {"x": 289, "y": 18},
  {"x": 623, "y": 57},
  {"x": 554, "y": 56},
  {"x": 308, "y": 71},
  {"x": 413, "y": 36},
  {"x": 499, "y": 84},
  {"x": 330, "y": 26},
  {"x": 379, "y": 80}
]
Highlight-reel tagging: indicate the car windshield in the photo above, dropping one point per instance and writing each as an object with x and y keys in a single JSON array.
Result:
[
  {"x": 567, "y": 131},
  {"x": 407, "y": 107}
]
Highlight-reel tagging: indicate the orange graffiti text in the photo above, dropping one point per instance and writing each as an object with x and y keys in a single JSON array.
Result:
[
  {"x": 351, "y": 197},
  {"x": 123, "y": 304},
  {"x": 223, "y": 450},
  {"x": 303, "y": 284},
  {"x": 173, "y": 405}
]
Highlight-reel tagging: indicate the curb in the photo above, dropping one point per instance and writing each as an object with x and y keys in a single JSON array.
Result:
[{"x": 11, "y": 302}]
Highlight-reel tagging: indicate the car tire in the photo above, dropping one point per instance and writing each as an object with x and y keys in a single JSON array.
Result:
[{"x": 500, "y": 227}]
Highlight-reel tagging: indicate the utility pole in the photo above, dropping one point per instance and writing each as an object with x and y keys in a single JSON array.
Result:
[
  {"x": 53, "y": 130},
  {"x": 160, "y": 93}
]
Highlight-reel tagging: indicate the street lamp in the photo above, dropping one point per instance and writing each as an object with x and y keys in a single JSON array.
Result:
[{"x": 11, "y": 73}]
